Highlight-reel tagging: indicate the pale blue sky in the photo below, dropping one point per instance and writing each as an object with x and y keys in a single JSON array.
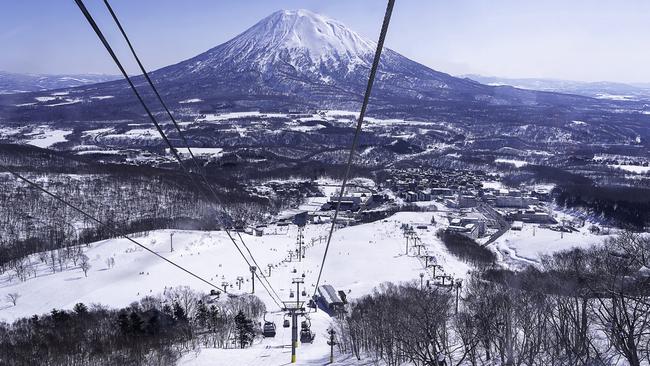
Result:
[{"x": 587, "y": 40}]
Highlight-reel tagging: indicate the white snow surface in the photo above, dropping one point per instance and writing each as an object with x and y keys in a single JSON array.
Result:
[
  {"x": 360, "y": 258},
  {"x": 199, "y": 151},
  {"x": 357, "y": 262},
  {"x": 137, "y": 133},
  {"x": 237, "y": 115},
  {"x": 516, "y": 163},
  {"x": 522, "y": 246},
  {"x": 300, "y": 38},
  {"x": 193, "y": 100},
  {"x": 44, "y": 137},
  {"x": 636, "y": 169}
]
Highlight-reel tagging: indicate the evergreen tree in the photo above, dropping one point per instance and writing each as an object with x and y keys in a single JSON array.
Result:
[
  {"x": 202, "y": 315},
  {"x": 245, "y": 330},
  {"x": 136, "y": 323},
  {"x": 179, "y": 313},
  {"x": 152, "y": 323},
  {"x": 123, "y": 323},
  {"x": 80, "y": 309}
]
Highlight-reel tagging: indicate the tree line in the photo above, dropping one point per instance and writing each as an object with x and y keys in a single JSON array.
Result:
[
  {"x": 578, "y": 307},
  {"x": 154, "y": 331}
]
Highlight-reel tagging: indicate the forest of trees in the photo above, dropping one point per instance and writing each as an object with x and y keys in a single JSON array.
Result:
[
  {"x": 155, "y": 331},
  {"x": 466, "y": 249},
  {"x": 129, "y": 198},
  {"x": 580, "y": 307},
  {"x": 625, "y": 206}
]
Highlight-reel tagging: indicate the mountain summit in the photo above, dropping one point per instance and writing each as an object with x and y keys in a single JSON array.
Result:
[
  {"x": 292, "y": 59},
  {"x": 310, "y": 59},
  {"x": 298, "y": 38}
]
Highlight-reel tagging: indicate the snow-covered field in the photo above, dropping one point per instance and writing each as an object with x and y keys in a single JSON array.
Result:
[
  {"x": 136, "y": 133},
  {"x": 516, "y": 163},
  {"x": 636, "y": 169},
  {"x": 529, "y": 244},
  {"x": 237, "y": 115},
  {"x": 193, "y": 100},
  {"x": 199, "y": 151},
  {"x": 45, "y": 137},
  {"x": 360, "y": 258}
]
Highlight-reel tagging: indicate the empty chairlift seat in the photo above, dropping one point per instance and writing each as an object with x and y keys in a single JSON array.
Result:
[{"x": 269, "y": 330}]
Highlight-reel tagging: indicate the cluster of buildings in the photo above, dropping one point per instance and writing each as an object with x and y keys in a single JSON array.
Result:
[
  {"x": 479, "y": 208},
  {"x": 290, "y": 193},
  {"x": 427, "y": 184}
]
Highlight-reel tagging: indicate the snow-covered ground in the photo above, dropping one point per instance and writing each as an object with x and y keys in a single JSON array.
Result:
[
  {"x": 529, "y": 244},
  {"x": 199, "y": 151},
  {"x": 44, "y": 137},
  {"x": 636, "y": 169},
  {"x": 237, "y": 115},
  {"x": 136, "y": 133},
  {"x": 192, "y": 100},
  {"x": 516, "y": 163},
  {"x": 360, "y": 258}
]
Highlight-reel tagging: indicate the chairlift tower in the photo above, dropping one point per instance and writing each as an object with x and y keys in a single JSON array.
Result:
[
  {"x": 295, "y": 308},
  {"x": 253, "y": 270},
  {"x": 331, "y": 343},
  {"x": 458, "y": 284},
  {"x": 299, "y": 242}
]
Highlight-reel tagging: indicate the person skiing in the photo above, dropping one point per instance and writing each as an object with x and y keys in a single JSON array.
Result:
[{"x": 441, "y": 359}]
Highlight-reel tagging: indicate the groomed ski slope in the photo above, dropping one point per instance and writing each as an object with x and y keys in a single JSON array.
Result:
[{"x": 360, "y": 258}]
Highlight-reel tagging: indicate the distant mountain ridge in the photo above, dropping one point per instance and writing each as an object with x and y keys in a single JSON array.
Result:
[
  {"x": 599, "y": 89},
  {"x": 292, "y": 59},
  {"x": 11, "y": 83},
  {"x": 296, "y": 60}
]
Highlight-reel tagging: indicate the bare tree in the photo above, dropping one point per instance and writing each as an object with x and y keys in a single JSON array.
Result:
[
  {"x": 13, "y": 297},
  {"x": 622, "y": 309},
  {"x": 84, "y": 263}
]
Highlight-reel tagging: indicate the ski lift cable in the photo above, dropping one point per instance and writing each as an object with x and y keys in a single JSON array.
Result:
[
  {"x": 150, "y": 82},
  {"x": 99, "y": 33},
  {"x": 357, "y": 132},
  {"x": 105, "y": 225},
  {"x": 181, "y": 134},
  {"x": 260, "y": 268}
]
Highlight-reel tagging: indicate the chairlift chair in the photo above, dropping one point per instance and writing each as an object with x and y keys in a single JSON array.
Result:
[
  {"x": 306, "y": 335},
  {"x": 268, "y": 331}
]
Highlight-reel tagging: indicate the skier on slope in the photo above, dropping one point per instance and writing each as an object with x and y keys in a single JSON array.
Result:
[{"x": 441, "y": 359}]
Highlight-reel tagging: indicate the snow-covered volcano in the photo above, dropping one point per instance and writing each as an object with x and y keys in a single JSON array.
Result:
[
  {"x": 299, "y": 38},
  {"x": 292, "y": 59},
  {"x": 302, "y": 55}
]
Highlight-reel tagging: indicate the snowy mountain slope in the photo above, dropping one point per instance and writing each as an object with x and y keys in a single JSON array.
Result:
[
  {"x": 291, "y": 60},
  {"x": 302, "y": 39},
  {"x": 601, "y": 89},
  {"x": 358, "y": 261}
]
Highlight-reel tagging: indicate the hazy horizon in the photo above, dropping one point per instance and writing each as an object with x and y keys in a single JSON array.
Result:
[{"x": 581, "y": 40}]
